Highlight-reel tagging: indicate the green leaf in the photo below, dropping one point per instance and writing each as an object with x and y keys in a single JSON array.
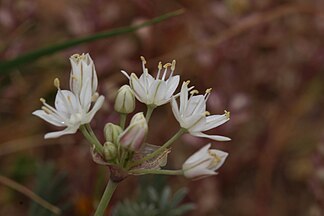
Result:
[{"x": 6, "y": 66}]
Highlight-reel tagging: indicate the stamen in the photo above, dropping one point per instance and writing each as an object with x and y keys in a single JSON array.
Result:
[
  {"x": 167, "y": 65},
  {"x": 187, "y": 82},
  {"x": 216, "y": 159},
  {"x": 46, "y": 110},
  {"x": 143, "y": 60},
  {"x": 57, "y": 83},
  {"x": 42, "y": 100},
  {"x": 227, "y": 114},
  {"x": 208, "y": 91},
  {"x": 206, "y": 113},
  {"x": 159, "y": 70},
  {"x": 173, "y": 65},
  {"x": 165, "y": 70},
  {"x": 94, "y": 97},
  {"x": 194, "y": 92}
]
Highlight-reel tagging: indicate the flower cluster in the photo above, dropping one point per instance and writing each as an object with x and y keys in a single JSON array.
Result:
[{"x": 125, "y": 149}]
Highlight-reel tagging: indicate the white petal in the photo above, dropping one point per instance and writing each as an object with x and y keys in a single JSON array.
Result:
[
  {"x": 86, "y": 95},
  {"x": 196, "y": 105},
  {"x": 68, "y": 130},
  {"x": 94, "y": 109},
  {"x": 50, "y": 118},
  {"x": 183, "y": 97},
  {"x": 160, "y": 93},
  {"x": 222, "y": 156},
  {"x": 189, "y": 122},
  {"x": 200, "y": 154},
  {"x": 172, "y": 85},
  {"x": 214, "y": 121},
  {"x": 213, "y": 137},
  {"x": 66, "y": 102},
  {"x": 138, "y": 88},
  {"x": 175, "y": 109}
]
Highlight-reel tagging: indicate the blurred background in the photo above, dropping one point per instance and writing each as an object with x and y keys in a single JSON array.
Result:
[{"x": 264, "y": 60}]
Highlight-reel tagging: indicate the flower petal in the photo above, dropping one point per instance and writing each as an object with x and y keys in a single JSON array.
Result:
[
  {"x": 94, "y": 109},
  {"x": 68, "y": 130},
  {"x": 50, "y": 118},
  {"x": 213, "y": 137}
]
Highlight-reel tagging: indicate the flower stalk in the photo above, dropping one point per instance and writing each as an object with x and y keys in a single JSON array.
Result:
[
  {"x": 158, "y": 172},
  {"x": 106, "y": 197}
]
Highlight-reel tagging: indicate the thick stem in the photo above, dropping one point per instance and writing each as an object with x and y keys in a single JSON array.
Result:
[
  {"x": 159, "y": 172},
  {"x": 159, "y": 150},
  {"x": 149, "y": 111},
  {"x": 122, "y": 120},
  {"x": 110, "y": 188},
  {"x": 91, "y": 137}
]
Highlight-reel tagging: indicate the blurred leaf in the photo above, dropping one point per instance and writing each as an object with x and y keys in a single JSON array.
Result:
[
  {"x": 50, "y": 186},
  {"x": 6, "y": 66}
]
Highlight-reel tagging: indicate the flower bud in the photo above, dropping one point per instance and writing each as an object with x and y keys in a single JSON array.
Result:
[
  {"x": 112, "y": 132},
  {"x": 204, "y": 162},
  {"x": 134, "y": 135},
  {"x": 109, "y": 151},
  {"x": 125, "y": 100}
]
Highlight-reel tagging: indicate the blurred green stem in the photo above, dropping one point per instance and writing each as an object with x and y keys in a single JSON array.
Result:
[
  {"x": 6, "y": 66},
  {"x": 91, "y": 137},
  {"x": 110, "y": 188},
  {"x": 149, "y": 112},
  {"x": 123, "y": 120}
]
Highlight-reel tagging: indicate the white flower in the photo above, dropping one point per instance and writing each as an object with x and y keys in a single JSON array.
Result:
[
  {"x": 134, "y": 135},
  {"x": 154, "y": 91},
  {"x": 73, "y": 108},
  {"x": 192, "y": 114},
  {"x": 83, "y": 74},
  {"x": 204, "y": 162}
]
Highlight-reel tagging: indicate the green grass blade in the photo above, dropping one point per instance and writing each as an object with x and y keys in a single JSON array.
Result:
[{"x": 6, "y": 66}]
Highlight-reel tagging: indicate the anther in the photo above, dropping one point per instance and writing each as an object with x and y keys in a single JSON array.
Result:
[
  {"x": 42, "y": 100},
  {"x": 46, "y": 110},
  {"x": 194, "y": 92},
  {"x": 206, "y": 113},
  {"x": 187, "y": 82},
  {"x": 57, "y": 83},
  {"x": 143, "y": 59},
  {"x": 208, "y": 90},
  {"x": 160, "y": 66},
  {"x": 173, "y": 65},
  {"x": 167, "y": 65},
  {"x": 227, "y": 114}
]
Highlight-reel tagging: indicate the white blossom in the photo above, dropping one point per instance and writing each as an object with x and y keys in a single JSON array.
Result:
[
  {"x": 154, "y": 91},
  {"x": 73, "y": 108},
  {"x": 204, "y": 162},
  {"x": 125, "y": 100},
  {"x": 192, "y": 114}
]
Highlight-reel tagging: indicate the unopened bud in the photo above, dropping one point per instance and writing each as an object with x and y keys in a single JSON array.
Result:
[
  {"x": 125, "y": 100},
  {"x": 134, "y": 135},
  {"x": 112, "y": 132},
  {"x": 109, "y": 151}
]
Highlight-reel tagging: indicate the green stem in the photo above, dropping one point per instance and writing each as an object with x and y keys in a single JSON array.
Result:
[
  {"x": 122, "y": 120},
  {"x": 159, "y": 172},
  {"x": 159, "y": 150},
  {"x": 110, "y": 188},
  {"x": 149, "y": 112},
  {"x": 91, "y": 137},
  {"x": 36, "y": 54}
]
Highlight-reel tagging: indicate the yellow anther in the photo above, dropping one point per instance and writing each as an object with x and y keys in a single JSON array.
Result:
[
  {"x": 74, "y": 77},
  {"x": 194, "y": 92},
  {"x": 57, "y": 83},
  {"x": 160, "y": 66},
  {"x": 42, "y": 100},
  {"x": 208, "y": 90},
  {"x": 173, "y": 65},
  {"x": 216, "y": 158},
  {"x": 48, "y": 111},
  {"x": 143, "y": 59},
  {"x": 206, "y": 113},
  {"x": 187, "y": 82},
  {"x": 227, "y": 114},
  {"x": 167, "y": 65}
]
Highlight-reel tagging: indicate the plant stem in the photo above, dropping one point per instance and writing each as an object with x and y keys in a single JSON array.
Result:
[
  {"x": 122, "y": 120},
  {"x": 110, "y": 188},
  {"x": 149, "y": 111},
  {"x": 159, "y": 150},
  {"x": 91, "y": 137},
  {"x": 159, "y": 172}
]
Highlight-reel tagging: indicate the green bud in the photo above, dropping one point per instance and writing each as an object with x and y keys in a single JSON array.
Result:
[
  {"x": 125, "y": 100},
  {"x": 109, "y": 151},
  {"x": 112, "y": 132}
]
